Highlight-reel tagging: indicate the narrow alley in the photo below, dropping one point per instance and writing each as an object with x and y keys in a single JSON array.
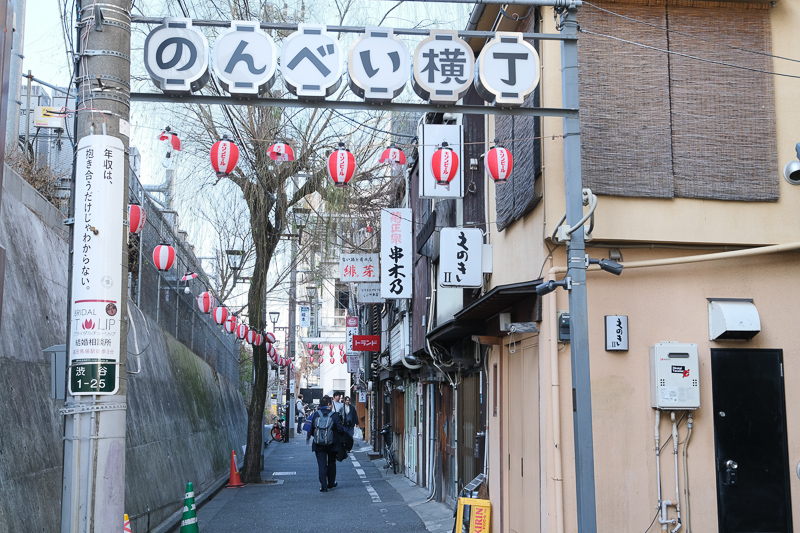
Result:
[{"x": 368, "y": 498}]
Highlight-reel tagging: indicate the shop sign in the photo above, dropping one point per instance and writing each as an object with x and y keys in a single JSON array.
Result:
[
  {"x": 396, "y": 253},
  {"x": 351, "y": 324},
  {"x": 431, "y": 138},
  {"x": 367, "y": 343},
  {"x": 304, "y": 319},
  {"x": 358, "y": 267},
  {"x": 369, "y": 293},
  {"x": 460, "y": 257}
]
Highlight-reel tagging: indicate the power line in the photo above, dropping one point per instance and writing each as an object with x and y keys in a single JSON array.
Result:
[{"x": 722, "y": 63}]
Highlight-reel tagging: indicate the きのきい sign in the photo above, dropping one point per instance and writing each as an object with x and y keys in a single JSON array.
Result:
[
  {"x": 94, "y": 344},
  {"x": 616, "y": 333},
  {"x": 358, "y": 267},
  {"x": 396, "y": 253},
  {"x": 460, "y": 257}
]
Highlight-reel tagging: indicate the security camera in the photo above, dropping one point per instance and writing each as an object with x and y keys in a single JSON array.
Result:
[{"x": 792, "y": 169}]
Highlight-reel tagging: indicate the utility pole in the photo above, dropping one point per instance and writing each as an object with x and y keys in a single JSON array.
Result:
[
  {"x": 292, "y": 332},
  {"x": 576, "y": 272},
  {"x": 93, "y": 491}
]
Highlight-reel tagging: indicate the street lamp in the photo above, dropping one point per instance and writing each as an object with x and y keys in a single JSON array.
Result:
[
  {"x": 273, "y": 317},
  {"x": 235, "y": 262}
]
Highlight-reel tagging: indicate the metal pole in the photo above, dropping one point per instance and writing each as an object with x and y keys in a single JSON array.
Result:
[
  {"x": 28, "y": 112},
  {"x": 536, "y": 3},
  {"x": 93, "y": 492},
  {"x": 292, "y": 333},
  {"x": 576, "y": 271}
]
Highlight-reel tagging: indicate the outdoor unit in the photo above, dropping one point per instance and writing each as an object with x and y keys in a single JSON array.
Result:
[{"x": 674, "y": 376}]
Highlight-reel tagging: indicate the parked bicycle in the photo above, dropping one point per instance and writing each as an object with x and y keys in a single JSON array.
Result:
[
  {"x": 277, "y": 430},
  {"x": 388, "y": 453}
]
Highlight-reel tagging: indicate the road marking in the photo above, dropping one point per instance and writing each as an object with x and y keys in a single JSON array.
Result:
[
  {"x": 361, "y": 474},
  {"x": 373, "y": 493},
  {"x": 356, "y": 463},
  {"x": 284, "y": 473}
]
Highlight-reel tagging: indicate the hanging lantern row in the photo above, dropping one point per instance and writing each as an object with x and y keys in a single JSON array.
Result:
[
  {"x": 230, "y": 324},
  {"x": 163, "y": 256},
  {"x": 280, "y": 152},
  {"x": 189, "y": 276},
  {"x": 224, "y": 156},
  {"x": 444, "y": 164},
  {"x": 393, "y": 155},
  {"x": 220, "y": 315},
  {"x": 136, "y": 218}
]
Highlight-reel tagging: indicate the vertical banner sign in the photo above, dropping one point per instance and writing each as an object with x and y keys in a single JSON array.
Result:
[
  {"x": 369, "y": 293},
  {"x": 358, "y": 267},
  {"x": 616, "y": 333},
  {"x": 352, "y": 331},
  {"x": 396, "y": 248},
  {"x": 304, "y": 320},
  {"x": 431, "y": 138},
  {"x": 94, "y": 350},
  {"x": 460, "y": 257},
  {"x": 352, "y": 364}
]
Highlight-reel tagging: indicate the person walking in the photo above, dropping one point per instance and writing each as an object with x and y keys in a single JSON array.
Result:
[
  {"x": 300, "y": 413},
  {"x": 325, "y": 428},
  {"x": 349, "y": 416},
  {"x": 338, "y": 406}
]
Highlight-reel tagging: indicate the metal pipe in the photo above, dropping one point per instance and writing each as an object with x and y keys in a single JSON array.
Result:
[
  {"x": 535, "y": 3},
  {"x": 40, "y": 82},
  {"x": 465, "y": 34},
  {"x": 28, "y": 112},
  {"x": 358, "y": 106},
  {"x": 677, "y": 489},
  {"x": 686, "y": 473},
  {"x": 555, "y": 399},
  {"x": 661, "y": 516}
]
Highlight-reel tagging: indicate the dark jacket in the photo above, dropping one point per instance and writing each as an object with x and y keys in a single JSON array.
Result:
[
  {"x": 350, "y": 419},
  {"x": 338, "y": 430}
]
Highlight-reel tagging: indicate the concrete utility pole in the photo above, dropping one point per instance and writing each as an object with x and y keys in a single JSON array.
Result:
[
  {"x": 93, "y": 496},
  {"x": 292, "y": 333},
  {"x": 576, "y": 272}
]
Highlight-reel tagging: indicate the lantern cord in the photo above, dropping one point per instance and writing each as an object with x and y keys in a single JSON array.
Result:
[{"x": 354, "y": 121}]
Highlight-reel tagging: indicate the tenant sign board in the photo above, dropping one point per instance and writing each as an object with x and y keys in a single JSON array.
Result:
[
  {"x": 369, "y": 293},
  {"x": 94, "y": 344},
  {"x": 460, "y": 257},
  {"x": 396, "y": 253},
  {"x": 367, "y": 343},
  {"x": 358, "y": 267},
  {"x": 351, "y": 330}
]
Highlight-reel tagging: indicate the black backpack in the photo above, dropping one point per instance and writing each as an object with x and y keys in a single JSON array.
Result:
[{"x": 323, "y": 429}]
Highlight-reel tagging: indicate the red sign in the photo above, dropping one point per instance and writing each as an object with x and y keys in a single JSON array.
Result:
[{"x": 366, "y": 343}]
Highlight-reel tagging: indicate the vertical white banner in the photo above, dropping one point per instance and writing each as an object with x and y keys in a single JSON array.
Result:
[
  {"x": 396, "y": 253},
  {"x": 460, "y": 257},
  {"x": 95, "y": 326},
  {"x": 304, "y": 317},
  {"x": 352, "y": 330},
  {"x": 431, "y": 138}
]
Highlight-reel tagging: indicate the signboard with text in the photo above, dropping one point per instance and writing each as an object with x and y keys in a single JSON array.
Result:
[
  {"x": 460, "y": 257},
  {"x": 95, "y": 326},
  {"x": 431, "y": 138},
  {"x": 352, "y": 364},
  {"x": 352, "y": 330},
  {"x": 396, "y": 253},
  {"x": 367, "y": 343},
  {"x": 358, "y": 267},
  {"x": 304, "y": 316},
  {"x": 369, "y": 293}
]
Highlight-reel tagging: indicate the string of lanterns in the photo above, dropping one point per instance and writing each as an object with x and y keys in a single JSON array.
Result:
[{"x": 319, "y": 350}]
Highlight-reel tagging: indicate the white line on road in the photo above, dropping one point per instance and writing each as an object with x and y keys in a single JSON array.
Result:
[
  {"x": 284, "y": 473},
  {"x": 361, "y": 474}
]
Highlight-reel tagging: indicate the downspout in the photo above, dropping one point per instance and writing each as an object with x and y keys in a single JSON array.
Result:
[{"x": 555, "y": 391}]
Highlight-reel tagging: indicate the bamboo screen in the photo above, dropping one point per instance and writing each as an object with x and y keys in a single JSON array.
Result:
[{"x": 660, "y": 125}]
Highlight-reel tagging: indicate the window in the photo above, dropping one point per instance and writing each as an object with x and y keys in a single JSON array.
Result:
[{"x": 651, "y": 121}]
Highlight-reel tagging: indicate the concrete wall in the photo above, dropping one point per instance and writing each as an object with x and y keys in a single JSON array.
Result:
[{"x": 183, "y": 419}]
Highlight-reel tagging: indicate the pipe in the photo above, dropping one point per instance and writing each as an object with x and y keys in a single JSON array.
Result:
[
  {"x": 749, "y": 252},
  {"x": 555, "y": 393},
  {"x": 686, "y": 473},
  {"x": 677, "y": 489},
  {"x": 658, "y": 467},
  {"x": 536, "y": 3}
]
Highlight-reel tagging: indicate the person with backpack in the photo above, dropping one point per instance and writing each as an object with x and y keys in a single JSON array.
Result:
[{"x": 325, "y": 429}]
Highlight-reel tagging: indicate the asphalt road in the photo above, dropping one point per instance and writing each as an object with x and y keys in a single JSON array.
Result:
[{"x": 367, "y": 499}]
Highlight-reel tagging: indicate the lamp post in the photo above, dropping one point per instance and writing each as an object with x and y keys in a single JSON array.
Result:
[
  {"x": 235, "y": 262},
  {"x": 273, "y": 317}
]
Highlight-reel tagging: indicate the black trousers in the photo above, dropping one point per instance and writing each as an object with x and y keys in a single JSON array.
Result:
[{"x": 326, "y": 461}]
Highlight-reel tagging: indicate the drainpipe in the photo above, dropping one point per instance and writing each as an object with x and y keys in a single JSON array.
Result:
[{"x": 555, "y": 391}]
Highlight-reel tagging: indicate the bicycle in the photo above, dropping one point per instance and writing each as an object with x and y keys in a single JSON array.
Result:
[
  {"x": 388, "y": 454},
  {"x": 277, "y": 431}
]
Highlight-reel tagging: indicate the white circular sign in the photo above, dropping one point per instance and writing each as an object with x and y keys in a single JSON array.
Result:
[
  {"x": 507, "y": 70},
  {"x": 245, "y": 59},
  {"x": 311, "y": 62},
  {"x": 176, "y": 56},
  {"x": 378, "y": 65},
  {"x": 443, "y": 67}
]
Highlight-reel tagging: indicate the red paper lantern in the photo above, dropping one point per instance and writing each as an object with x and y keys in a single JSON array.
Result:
[
  {"x": 499, "y": 163},
  {"x": 272, "y": 351},
  {"x": 281, "y": 152},
  {"x": 393, "y": 155},
  {"x": 205, "y": 302},
  {"x": 230, "y": 324},
  {"x": 333, "y": 360},
  {"x": 251, "y": 336},
  {"x": 241, "y": 331},
  {"x": 220, "y": 315},
  {"x": 136, "y": 218},
  {"x": 163, "y": 256},
  {"x": 174, "y": 141},
  {"x": 444, "y": 164},
  {"x": 310, "y": 349},
  {"x": 269, "y": 337},
  {"x": 341, "y": 166},
  {"x": 224, "y": 155}
]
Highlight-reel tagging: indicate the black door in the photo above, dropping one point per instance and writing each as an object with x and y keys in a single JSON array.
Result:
[{"x": 750, "y": 441}]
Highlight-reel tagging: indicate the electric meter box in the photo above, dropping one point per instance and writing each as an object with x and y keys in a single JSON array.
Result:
[{"x": 674, "y": 376}]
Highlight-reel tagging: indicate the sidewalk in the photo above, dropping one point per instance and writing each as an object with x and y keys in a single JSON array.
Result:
[{"x": 368, "y": 499}]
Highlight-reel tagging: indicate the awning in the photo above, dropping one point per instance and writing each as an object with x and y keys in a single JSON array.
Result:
[{"x": 472, "y": 319}]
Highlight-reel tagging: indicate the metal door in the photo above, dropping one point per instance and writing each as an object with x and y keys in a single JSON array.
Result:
[{"x": 750, "y": 441}]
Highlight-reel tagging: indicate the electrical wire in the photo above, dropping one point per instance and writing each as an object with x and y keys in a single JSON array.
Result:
[
  {"x": 653, "y": 522},
  {"x": 691, "y": 36},
  {"x": 696, "y": 58}
]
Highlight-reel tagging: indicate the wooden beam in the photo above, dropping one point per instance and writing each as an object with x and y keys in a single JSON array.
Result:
[{"x": 487, "y": 340}]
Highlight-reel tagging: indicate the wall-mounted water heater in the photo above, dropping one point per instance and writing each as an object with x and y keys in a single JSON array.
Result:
[{"x": 674, "y": 376}]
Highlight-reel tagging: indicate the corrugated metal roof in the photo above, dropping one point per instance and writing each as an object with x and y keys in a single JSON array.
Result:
[{"x": 498, "y": 300}]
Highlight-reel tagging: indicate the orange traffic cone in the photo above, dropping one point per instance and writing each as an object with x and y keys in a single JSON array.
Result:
[
  {"x": 126, "y": 525},
  {"x": 235, "y": 480}
]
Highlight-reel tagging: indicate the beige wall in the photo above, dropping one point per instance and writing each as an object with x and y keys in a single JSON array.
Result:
[{"x": 662, "y": 303}]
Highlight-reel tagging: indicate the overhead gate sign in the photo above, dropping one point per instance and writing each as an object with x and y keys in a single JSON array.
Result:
[{"x": 94, "y": 344}]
